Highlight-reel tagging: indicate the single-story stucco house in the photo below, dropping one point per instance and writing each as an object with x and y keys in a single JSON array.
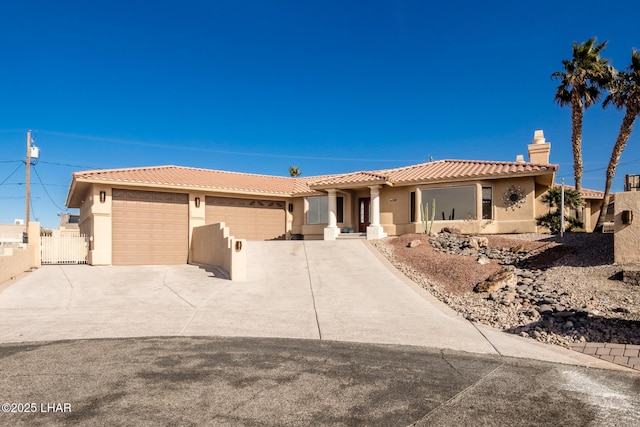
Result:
[{"x": 147, "y": 215}]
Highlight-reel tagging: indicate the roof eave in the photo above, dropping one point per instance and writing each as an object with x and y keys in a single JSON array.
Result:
[
  {"x": 183, "y": 188},
  {"x": 349, "y": 185}
]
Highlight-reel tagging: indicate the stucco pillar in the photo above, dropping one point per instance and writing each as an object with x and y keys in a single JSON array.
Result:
[
  {"x": 100, "y": 213},
  {"x": 332, "y": 230},
  {"x": 375, "y": 230}
]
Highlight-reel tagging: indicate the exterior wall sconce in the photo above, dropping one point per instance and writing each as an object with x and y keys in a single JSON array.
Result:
[
  {"x": 238, "y": 245},
  {"x": 290, "y": 207},
  {"x": 103, "y": 196},
  {"x": 197, "y": 202}
]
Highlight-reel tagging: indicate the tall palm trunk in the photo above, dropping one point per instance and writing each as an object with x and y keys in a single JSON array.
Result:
[
  {"x": 576, "y": 139},
  {"x": 623, "y": 136}
]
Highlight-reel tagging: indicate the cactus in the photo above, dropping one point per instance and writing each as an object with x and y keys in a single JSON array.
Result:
[
  {"x": 424, "y": 210},
  {"x": 433, "y": 214}
]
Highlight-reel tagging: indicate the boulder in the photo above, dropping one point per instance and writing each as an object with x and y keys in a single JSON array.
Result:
[
  {"x": 477, "y": 242},
  {"x": 483, "y": 260},
  {"x": 505, "y": 277},
  {"x": 450, "y": 230},
  {"x": 414, "y": 243}
]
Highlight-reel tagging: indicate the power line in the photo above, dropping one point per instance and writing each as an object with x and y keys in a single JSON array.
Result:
[
  {"x": 50, "y": 185},
  {"x": 211, "y": 150},
  {"x": 32, "y": 210},
  {"x": 11, "y": 174},
  {"x": 66, "y": 164},
  {"x": 45, "y": 190}
]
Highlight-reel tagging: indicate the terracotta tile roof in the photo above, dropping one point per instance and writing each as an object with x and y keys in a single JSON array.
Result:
[
  {"x": 205, "y": 179},
  {"x": 586, "y": 193},
  {"x": 461, "y": 169},
  {"x": 177, "y": 176},
  {"x": 349, "y": 178}
]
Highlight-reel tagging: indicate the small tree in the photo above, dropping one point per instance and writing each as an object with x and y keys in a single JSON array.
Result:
[{"x": 553, "y": 199}]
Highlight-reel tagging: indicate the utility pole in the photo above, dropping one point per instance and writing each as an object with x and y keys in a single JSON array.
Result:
[{"x": 28, "y": 177}]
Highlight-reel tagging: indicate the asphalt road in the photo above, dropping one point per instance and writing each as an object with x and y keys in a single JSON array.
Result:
[{"x": 186, "y": 381}]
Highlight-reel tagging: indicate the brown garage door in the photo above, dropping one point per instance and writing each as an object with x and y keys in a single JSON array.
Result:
[
  {"x": 250, "y": 219},
  {"x": 150, "y": 227}
]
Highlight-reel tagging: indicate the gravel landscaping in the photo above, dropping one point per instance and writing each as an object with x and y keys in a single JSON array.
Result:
[{"x": 555, "y": 290}]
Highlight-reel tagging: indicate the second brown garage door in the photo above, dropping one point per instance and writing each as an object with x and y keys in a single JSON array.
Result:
[
  {"x": 150, "y": 227},
  {"x": 250, "y": 219}
]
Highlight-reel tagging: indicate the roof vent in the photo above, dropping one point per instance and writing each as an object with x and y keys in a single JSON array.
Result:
[{"x": 520, "y": 158}]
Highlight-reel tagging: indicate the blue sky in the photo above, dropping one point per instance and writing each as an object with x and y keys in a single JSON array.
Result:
[{"x": 257, "y": 86}]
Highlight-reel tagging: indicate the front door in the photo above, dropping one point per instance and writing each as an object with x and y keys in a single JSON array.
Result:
[{"x": 363, "y": 214}]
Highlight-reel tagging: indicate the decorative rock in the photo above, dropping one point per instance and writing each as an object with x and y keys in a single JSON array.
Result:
[
  {"x": 563, "y": 314},
  {"x": 498, "y": 280},
  {"x": 477, "y": 242},
  {"x": 450, "y": 230},
  {"x": 544, "y": 308},
  {"x": 517, "y": 249},
  {"x": 414, "y": 243},
  {"x": 483, "y": 260},
  {"x": 509, "y": 297}
]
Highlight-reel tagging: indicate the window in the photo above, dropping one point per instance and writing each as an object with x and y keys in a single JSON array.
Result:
[
  {"x": 457, "y": 203},
  {"x": 412, "y": 207},
  {"x": 487, "y": 203},
  {"x": 318, "y": 212}
]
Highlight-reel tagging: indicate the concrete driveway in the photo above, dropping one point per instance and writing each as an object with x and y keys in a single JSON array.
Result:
[{"x": 340, "y": 291}]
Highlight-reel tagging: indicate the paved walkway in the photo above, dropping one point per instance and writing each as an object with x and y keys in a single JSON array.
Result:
[
  {"x": 621, "y": 354},
  {"x": 336, "y": 291}
]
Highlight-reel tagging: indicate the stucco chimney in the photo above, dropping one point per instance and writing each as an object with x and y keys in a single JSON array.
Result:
[{"x": 540, "y": 149}]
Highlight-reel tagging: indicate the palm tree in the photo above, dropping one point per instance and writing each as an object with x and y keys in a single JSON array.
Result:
[
  {"x": 294, "y": 171},
  {"x": 553, "y": 198},
  {"x": 624, "y": 92},
  {"x": 581, "y": 84}
]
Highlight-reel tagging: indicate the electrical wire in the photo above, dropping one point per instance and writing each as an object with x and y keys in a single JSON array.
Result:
[
  {"x": 66, "y": 164},
  {"x": 46, "y": 192},
  {"x": 32, "y": 212},
  {"x": 11, "y": 174}
]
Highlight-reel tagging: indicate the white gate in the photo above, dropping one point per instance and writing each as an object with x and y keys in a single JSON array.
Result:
[{"x": 64, "y": 249}]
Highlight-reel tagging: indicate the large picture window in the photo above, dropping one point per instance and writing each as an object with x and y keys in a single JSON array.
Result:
[
  {"x": 457, "y": 203},
  {"x": 318, "y": 212}
]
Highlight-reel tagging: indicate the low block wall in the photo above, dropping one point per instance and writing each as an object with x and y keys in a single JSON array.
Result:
[
  {"x": 14, "y": 261},
  {"x": 626, "y": 239},
  {"x": 212, "y": 245}
]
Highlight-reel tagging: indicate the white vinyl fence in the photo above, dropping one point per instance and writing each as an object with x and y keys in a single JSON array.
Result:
[{"x": 64, "y": 249}]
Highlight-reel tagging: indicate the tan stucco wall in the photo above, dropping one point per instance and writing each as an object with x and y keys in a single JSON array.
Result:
[
  {"x": 95, "y": 222},
  {"x": 212, "y": 245},
  {"x": 11, "y": 233},
  {"x": 196, "y": 216},
  {"x": 394, "y": 209},
  {"x": 626, "y": 248},
  {"x": 395, "y": 205},
  {"x": 14, "y": 261}
]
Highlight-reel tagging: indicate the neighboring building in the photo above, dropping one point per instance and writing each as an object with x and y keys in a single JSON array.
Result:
[
  {"x": 590, "y": 210},
  {"x": 146, "y": 215},
  {"x": 627, "y": 229}
]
